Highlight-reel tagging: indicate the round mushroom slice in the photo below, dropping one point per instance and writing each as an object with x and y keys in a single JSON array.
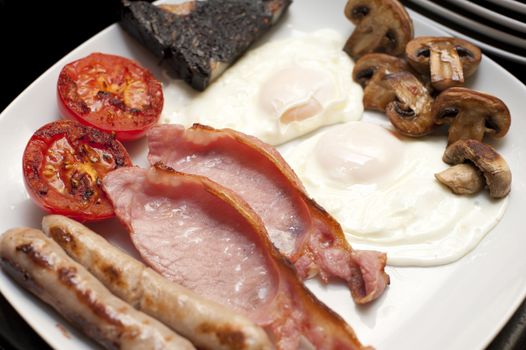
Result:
[
  {"x": 381, "y": 26},
  {"x": 369, "y": 72},
  {"x": 447, "y": 60},
  {"x": 471, "y": 114},
  {"x": 410, "y": 112},
  {"x": 484, "y": 157}
]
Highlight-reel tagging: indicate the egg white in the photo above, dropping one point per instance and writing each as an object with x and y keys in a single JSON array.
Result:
[
  {"x": 382, "y": 190},
  {"x": 279, "y": 91}
]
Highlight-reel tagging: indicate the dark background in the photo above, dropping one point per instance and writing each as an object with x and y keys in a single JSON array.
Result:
[
  {"x": 33, "y": 36},
  {"x": 36, "y": 34}
]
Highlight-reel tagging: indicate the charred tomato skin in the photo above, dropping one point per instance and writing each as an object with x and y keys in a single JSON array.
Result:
[
  {"x": 63, "y": 165},
  {"x": 111, "y": 93}
]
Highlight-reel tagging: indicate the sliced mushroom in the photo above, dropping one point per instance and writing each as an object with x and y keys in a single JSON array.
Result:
[
  {"x": 494, "y": 168},
  {"x": 471, "y": 114},
  {"x": 369, "y": 72},
  {"x": 462, "y": 179},
  {"x": 447, "y": 60},
  {"x": 410, "y": 112},
  {"x": 381, "y": 26}
]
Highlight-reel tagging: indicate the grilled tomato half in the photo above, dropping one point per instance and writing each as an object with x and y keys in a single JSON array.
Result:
[
  {"x": 110, "y": 93},
  {"x": 64, "y": 163}
]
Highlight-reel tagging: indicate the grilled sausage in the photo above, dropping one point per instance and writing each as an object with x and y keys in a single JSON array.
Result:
[
  {"x": 207, "y": 324},
  {"x": 40, "y": 265}
]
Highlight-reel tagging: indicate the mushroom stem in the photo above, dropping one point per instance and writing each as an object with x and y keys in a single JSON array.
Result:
[
  {"x": 466, "y": 126},
  {"x": 462, "y": 179},
  {"x": 409, "y": 94},
  {"x": 447, "y": 61},
  {"x": 445, "y": 67}
]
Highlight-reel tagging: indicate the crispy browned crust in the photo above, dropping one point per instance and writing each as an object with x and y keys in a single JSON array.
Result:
[
  {"x": 41, "y": 266},
  {"x": 207, "y": 324},
  {"x": 381, "y": 26},
  {"x": 187, "y": 36},
  {"x": 471, "y": 114}
]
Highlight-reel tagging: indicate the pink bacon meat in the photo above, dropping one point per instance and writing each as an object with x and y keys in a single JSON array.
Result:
[
  {"x": 199, "y": 234},
  {"x": 302, "y": 230}
]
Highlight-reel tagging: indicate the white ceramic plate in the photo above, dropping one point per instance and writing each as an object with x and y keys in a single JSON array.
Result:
[{"x": 457, "y": 306}]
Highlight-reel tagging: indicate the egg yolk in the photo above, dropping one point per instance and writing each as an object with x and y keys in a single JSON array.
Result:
[
  {"x": 358, "y": 153},
  {"x": 295, "y": 93}
]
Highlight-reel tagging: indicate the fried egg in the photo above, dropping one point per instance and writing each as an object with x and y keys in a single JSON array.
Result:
[
  {"x": 280, "y": 90},
  {"x": 382, "y": 190}
]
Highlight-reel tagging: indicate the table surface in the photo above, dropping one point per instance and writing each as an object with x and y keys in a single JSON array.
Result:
[{"x": 51, "y": 36}]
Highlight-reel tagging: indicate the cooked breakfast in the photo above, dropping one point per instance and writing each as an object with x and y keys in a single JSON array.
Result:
[
  {"x": 111, "y": 93},
  {"x": 63, "y": 165},
  {"x": 227, "y": 226},
  {"x": 199, "y": 234},
  {"x": 200, "y": 39},
  {"x": 40, "y": 265},
  {"x": 302, "y": 231},
  {"x": 206, "y": 324}
]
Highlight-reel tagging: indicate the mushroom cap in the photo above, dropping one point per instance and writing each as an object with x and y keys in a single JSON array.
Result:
[
  {"x": 495, "y": 169},
  {"x": 372, "y": 63},
  {"x": 417, "y": 52},
  {"x": 445, "y": 60},
  {"x": 369, "y": 71},
  {"x": 381, "y": 26},
  {"x": 410, "y": 112},
  {"x": 471, "y": 114}
]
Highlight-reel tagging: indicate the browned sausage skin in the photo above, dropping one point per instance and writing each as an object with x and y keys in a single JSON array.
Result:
[
  {"x": 40, "y": 265},
  {"x": 207, "y": 324}
]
